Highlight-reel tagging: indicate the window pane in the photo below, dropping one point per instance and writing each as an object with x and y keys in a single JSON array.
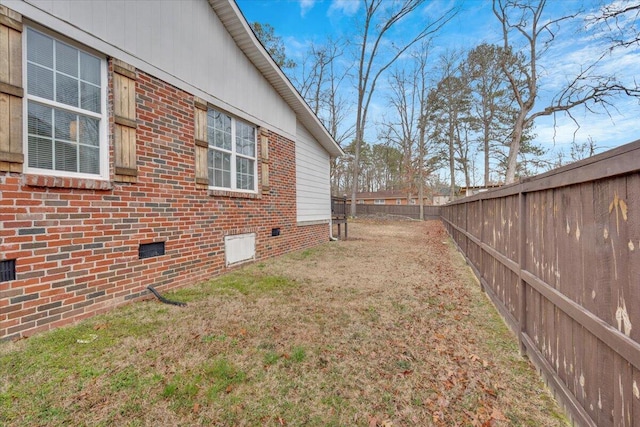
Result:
[
  {"x": 89, "y": 68},
  {"x": 222, "y": 139},
  {"x": 39, "y": 48},
  {"x": 66, "y": 125},
  {"x": 89, "y": 131},
  {"x": 40, "y": 153},
  {"x": 245, "y": 139},
  {"x": 244, "y": 171},
  {"x": 66, "y": 90},
  {"x": 40, "y": 81},
  {"x": 219, "y": 129},
  {"x": 39, "y": 121},
  {"x": 89, "y": 159},
  {"x": 218, "y": 138},
  {"x": 90, "y": 97},
  {"x": 66, "y": 156},
  {"x": 66, "y": 59},
  {"x": 220, "y": 169}
]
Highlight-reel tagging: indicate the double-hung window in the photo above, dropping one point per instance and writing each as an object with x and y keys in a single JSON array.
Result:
[
  {"x": 232, "y": 152},
  {"x": 65, "y": 109}
]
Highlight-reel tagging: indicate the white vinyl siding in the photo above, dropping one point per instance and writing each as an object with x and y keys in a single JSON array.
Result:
[
  {"x": 182, "y": 42},
  {"x": 313, "y": 188},
  {"x": 65, "y": 109}
]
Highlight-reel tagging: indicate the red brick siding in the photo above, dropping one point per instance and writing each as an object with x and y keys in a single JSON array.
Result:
[{"x": 76, "y": 241}]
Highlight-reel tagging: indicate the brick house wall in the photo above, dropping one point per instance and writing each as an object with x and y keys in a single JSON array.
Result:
[{"x": 76, "y": 241}]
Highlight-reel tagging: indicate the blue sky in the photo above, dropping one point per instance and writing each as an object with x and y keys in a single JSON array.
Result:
[{"x": 300, "y": 22}]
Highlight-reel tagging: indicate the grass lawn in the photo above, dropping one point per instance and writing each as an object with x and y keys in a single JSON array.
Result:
[{"x": 388, "y": 328}]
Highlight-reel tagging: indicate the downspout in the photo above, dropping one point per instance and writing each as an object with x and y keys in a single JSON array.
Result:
[{"x": 331, "y": 238}]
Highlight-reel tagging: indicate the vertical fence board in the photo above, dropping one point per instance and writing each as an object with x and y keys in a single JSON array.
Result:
[
  {"x": 632, "y": 246},
  {"x": 533, "y": 234},
  {"x": 623, "y": 392},
  {"x": 566, "y": 357},
  {"x": 604, "y": 268},
  {"x": 522, "y": 285},
  {"x": 547, "y": 253},
  {"x": 605, "y": 384},
  {"x": 588, "y": 375},
  {"x": 621, "y": 290},
  {"x": 569, "y": 270},
  {"x": 636, "y": 393},
  {"x": 514, "y": 236},
  {"x": 534, "y": 263},
  {"x": 579, "y": 334}
]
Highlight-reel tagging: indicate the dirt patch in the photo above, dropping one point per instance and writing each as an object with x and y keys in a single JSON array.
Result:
[{"x": 388, "y": 328}]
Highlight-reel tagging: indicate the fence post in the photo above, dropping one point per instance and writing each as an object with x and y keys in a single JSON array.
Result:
[
  {"x": 481, "y": 267},
  {"x": 522, "y": 304}
]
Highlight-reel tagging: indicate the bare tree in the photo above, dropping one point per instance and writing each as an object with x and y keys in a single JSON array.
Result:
[
  {"x": 619, "y": 21},
  {"x": 429, "y": 154},
  {"x": 400, "y": 130},
  {"x": 380, "y": 17},
  {"x": 583, "y": 150},
  {"x": 319, "y": 80},
  {"x": 524, "y": 21}
]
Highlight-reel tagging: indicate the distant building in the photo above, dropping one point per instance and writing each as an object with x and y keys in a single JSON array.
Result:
[{"x": 470, "y": 191}]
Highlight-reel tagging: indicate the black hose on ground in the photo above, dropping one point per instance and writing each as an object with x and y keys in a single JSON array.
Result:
[{"x": 164, "y": 300}]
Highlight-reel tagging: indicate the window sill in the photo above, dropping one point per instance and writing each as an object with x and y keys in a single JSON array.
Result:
[
  {"x": 66, "y": 182},
  {"x": 234, "y": 194}
]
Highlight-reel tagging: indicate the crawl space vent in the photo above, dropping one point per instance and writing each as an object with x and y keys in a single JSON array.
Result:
[
  {"x": 7, "y": 270},
  {"x": 239, "y": 248},
  {"x": 150, "y": 250}
]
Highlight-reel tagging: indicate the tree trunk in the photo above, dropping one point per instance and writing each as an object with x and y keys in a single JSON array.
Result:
[
  {"x": 452, "y": 161},
  {"x": 486, "y": 155},
  {"x": 421, "y": 170},
  {"x": 514, "y": 148}
]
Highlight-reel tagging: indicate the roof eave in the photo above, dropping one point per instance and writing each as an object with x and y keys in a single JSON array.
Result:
[{"x": 239, "y": 29}]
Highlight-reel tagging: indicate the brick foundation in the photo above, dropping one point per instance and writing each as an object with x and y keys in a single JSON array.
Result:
[{"x": 75, "y": 241}]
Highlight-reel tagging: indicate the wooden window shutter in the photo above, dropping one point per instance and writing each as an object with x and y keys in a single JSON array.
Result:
[
  {"x": 11, "y": 91},
  {"x": 201, "y": 144},
  {"x": 124, "y": 111},
  {"x": 264, "y": 158}
]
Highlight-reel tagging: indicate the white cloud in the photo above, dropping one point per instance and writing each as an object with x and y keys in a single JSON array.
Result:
[
  {"x": 345, "y": 7},
  {"x": 305, "y": 6}
]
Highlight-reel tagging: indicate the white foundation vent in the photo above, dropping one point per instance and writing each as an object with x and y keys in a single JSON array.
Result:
[{"x": 239, "y": 248}]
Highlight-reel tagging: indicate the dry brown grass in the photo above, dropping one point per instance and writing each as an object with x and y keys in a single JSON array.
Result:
[{"x": 387, "y": 328}]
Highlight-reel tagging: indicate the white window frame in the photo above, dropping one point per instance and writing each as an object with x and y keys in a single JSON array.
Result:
[
  {"x": 102, "y": 116},
  {"x": 379, "y": 202},
  {"x": 235, "y": 155}
]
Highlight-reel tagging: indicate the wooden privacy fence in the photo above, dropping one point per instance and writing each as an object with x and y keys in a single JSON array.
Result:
[
  {"x": 559, "y": 255},
  {"x": 410, "y": 211}
]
